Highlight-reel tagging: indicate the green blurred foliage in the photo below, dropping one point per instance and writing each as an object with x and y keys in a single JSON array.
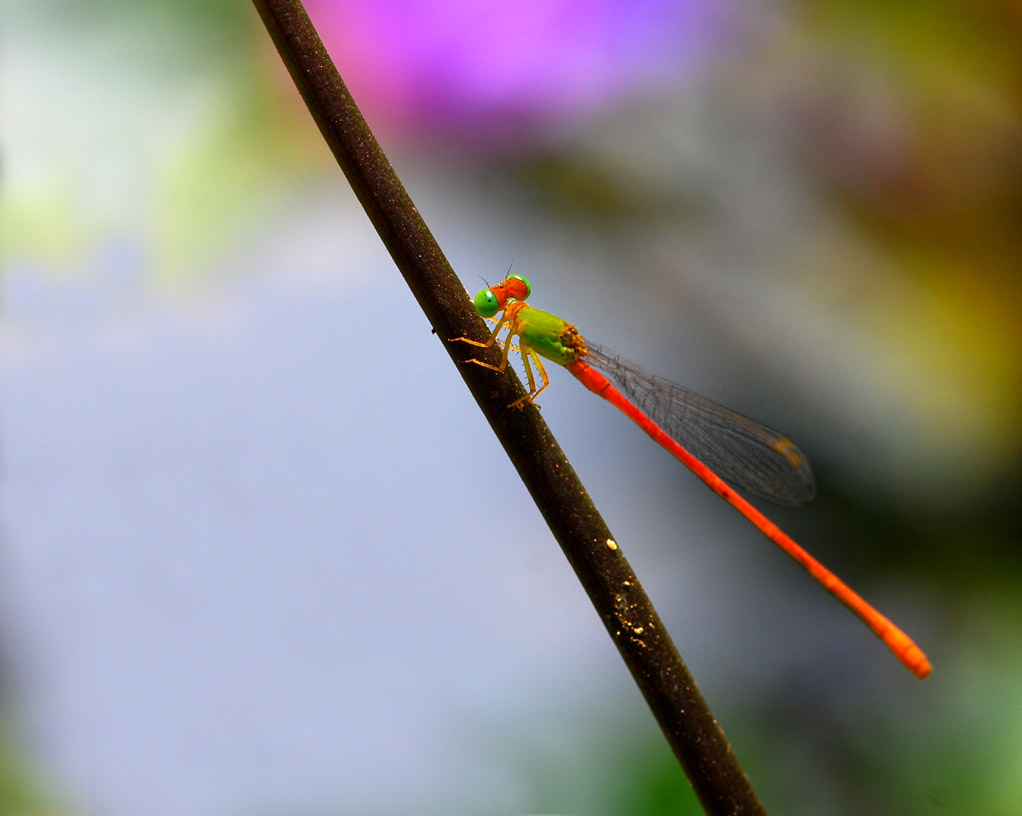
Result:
[
  {"x": 20, "y": 789},
  {"x": 179, "y": 142}
]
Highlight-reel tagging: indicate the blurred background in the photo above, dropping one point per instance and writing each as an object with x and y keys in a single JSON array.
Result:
[{"x": 259, "y": 552}]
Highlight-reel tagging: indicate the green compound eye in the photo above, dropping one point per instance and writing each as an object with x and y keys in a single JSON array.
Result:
[{"x": 487, "y": 304}]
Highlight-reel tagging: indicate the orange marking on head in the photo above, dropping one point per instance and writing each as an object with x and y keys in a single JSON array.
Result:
[{"x": 512, "y": 288}]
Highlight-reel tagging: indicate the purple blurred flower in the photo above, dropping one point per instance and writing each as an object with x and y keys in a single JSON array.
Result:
[{"x": 475, "y": 69}]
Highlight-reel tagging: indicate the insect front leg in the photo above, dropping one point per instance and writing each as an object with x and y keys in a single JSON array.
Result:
[{"x": 501, "y": 322}]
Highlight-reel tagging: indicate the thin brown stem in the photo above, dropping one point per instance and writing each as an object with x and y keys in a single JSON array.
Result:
[{"x": 626, "y": 611}]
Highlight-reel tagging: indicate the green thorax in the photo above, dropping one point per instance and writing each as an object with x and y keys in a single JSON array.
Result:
[{"x": 547, "y": 334}]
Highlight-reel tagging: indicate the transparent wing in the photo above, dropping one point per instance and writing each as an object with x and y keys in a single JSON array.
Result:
[{"x": 740, "y": 450}]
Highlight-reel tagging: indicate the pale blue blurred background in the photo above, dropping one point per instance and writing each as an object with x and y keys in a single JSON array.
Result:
[{"x": 261, "y": 553}]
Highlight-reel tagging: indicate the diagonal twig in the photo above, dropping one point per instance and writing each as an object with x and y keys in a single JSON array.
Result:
[{"x": 670, "y": 691}]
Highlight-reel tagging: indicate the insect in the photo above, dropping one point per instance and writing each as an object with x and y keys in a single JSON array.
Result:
[{"x": 720, "y": 446}]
